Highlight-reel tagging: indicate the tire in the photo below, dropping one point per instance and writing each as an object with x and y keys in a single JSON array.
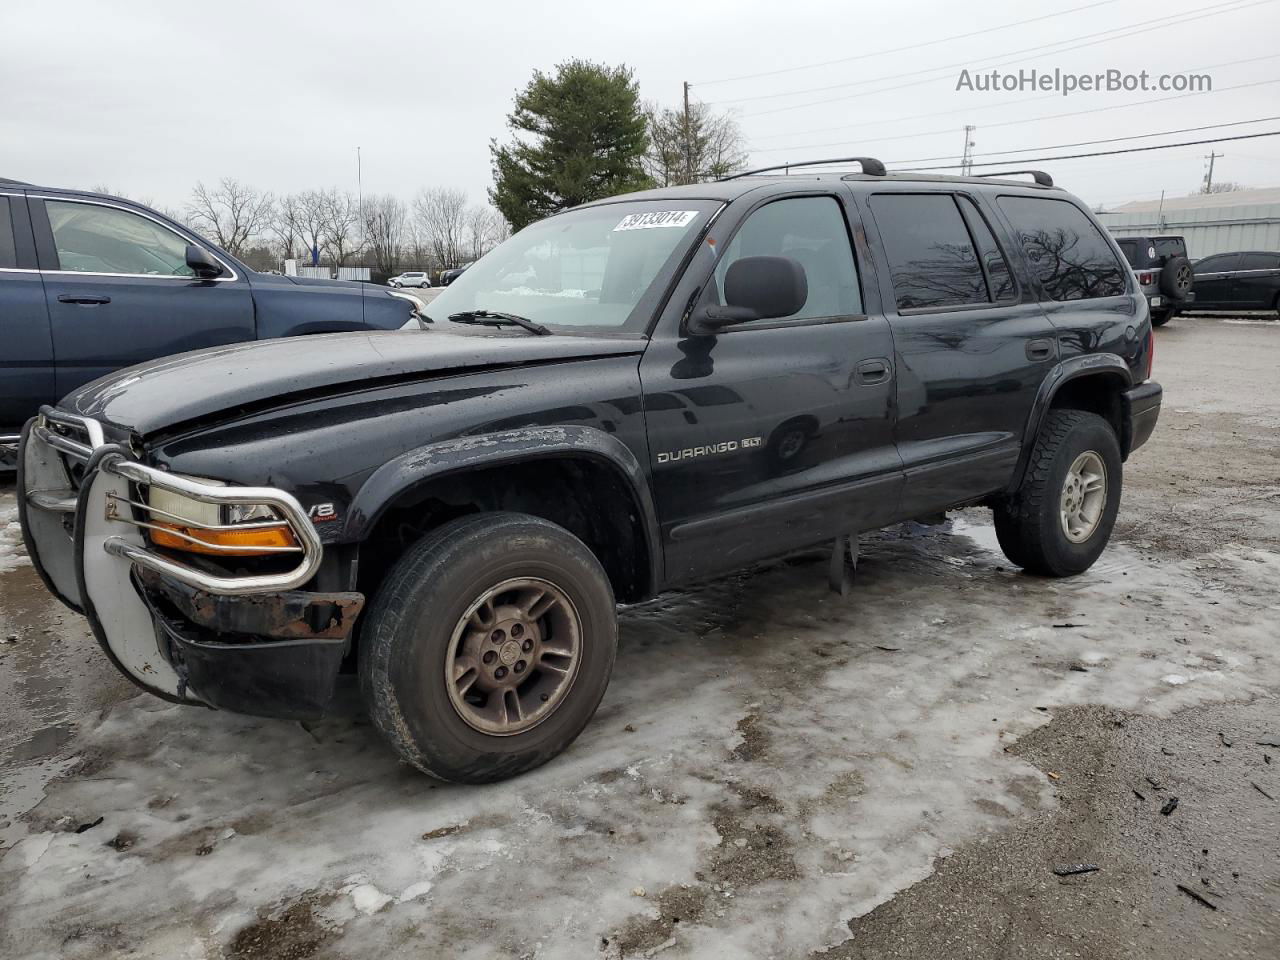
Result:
[
  {"x": 1176, "y": 278},
  {"x": 419, "y": 616},
  {"x": 1161, "y": 317},
  {"x": 1029, "y": 525}
]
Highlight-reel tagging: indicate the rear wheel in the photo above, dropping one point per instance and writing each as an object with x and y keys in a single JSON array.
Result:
[
  {"x": 488, "y": 647},
  {"x": 1160, "y": 317},
  {"x": 1059, "y": 521}
]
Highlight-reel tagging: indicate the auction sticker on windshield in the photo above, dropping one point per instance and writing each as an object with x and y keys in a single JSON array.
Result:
[{"x": 657, "y": 218}]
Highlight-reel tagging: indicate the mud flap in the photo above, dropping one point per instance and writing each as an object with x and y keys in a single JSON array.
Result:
[
  {"x": 843, "y": 565},
  {"x": 120, "y": 619}
]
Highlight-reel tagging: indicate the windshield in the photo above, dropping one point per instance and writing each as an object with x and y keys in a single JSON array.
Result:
[{"x": 602, "y": 268}]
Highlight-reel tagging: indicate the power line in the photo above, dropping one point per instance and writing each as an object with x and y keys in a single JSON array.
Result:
[
  {"x": 951, "y": 112},
  {"x": 1091, "y": 143},
  {"x": 1048, "y": 116},
  {"x": 1139, "y": 29},
  {"x": 914, "y": 46},
  {"x": 1102, "y": 153},
  {"x": 1141, "y": 24}
]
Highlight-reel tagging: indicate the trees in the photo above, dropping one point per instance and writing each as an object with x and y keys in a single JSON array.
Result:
[
  {"x": 385, "y": 218},
  {"x": 442, "y": 214},
  {"x": 233, "y": 213},
  {"x": 589, "y": 137},
  {"x": 708, "y": 146},
  {"x": 339, "y": 224}
]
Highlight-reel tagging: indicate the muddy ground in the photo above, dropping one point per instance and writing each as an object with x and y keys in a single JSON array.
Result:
[{"x": 775, "y": 771}]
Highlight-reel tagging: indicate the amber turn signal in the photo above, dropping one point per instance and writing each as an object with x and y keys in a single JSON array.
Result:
[{"x": 223, "y": 543}]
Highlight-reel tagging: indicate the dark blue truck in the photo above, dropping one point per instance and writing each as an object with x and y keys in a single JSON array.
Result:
[{"x": 90, "y": 283}]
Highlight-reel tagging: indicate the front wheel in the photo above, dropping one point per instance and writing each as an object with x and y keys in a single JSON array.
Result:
[
  {"x": 1059, "y": 521},
  {"x": 488, "y": 647}
]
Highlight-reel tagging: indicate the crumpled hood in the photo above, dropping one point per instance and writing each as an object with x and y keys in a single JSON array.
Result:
[{"x": 164, "y": 393}]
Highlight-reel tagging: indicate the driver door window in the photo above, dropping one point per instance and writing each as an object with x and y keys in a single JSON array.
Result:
[
  {"x": 811, "y": 231},
  {"x": 90, "y": 238}
]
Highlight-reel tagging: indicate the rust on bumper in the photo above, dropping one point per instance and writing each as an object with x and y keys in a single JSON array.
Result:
[{"x": 291, "y": 615}]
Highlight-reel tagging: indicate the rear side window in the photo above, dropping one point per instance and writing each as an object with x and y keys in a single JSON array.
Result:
[
  {"x": 1221, "y": 263},
  {"x": 999, "y": 278},
  {"x": 811, "y": 231},
  {"x": 1260, "y": 261},
  {"x": 1067, "y": 252},
  {"x": 932, "y": 259},
  {"x": 8, "y": 255}
]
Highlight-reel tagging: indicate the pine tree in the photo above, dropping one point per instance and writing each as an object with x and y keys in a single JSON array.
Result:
[{"x": 589, "y": 136}]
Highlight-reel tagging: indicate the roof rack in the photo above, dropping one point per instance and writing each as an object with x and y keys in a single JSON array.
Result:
[
  {"x": 870, "y": 166},
  {"x": 1039, "y": 176}
]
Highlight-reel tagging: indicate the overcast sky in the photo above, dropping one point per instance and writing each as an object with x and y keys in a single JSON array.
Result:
[{"x": 149, "y": 97}]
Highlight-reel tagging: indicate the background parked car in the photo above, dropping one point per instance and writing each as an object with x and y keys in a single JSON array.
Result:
[
  {"x": 448, "y": 276},
  {"x": 1163, "y": 272},
  {"x": 1238, "y": 281},
  {"x": 411, "y": 278},
  {"x": 90, "y": 283}
]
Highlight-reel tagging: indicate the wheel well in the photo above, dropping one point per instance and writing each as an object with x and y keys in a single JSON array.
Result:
[
  {"x": 1096, "y": 393},
  {"x": 588, "y": 497}
]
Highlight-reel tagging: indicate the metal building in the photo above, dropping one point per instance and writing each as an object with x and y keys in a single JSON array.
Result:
[{"x": 1212, "y": 223}]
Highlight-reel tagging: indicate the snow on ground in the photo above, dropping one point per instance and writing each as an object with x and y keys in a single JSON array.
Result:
[
  {"x": 770, "y": 760},
  {"x": 12, "y": 554}
]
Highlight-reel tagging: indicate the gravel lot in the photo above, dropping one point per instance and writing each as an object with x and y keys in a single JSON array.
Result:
[{"x": 775, "y": 771}]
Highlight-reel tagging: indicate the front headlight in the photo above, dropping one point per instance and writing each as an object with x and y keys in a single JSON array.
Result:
[{"x": 236, "y": 530}]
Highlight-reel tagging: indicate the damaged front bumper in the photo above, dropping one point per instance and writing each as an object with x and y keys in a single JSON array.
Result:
[{"x": 251, "y": 643}]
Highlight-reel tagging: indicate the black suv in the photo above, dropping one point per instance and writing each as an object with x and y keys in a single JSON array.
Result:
[
  {"x": 620, "y": 399},
  {"x": 1163, "y": 272}
]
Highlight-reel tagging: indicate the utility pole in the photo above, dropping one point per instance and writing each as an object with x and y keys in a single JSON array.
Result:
[
  {"x": 1208, "y": 180},
  {"x": 966, "y": 159},
  {"x": 688, "y": 147}
]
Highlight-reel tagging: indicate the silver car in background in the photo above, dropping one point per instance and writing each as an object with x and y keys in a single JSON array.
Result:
[{"x": 410, "y": 278}]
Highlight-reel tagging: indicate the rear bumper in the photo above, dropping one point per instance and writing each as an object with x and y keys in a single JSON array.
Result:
[
  {"x": 1141, "y": 409},
  {"x": 253, "y": 645}
]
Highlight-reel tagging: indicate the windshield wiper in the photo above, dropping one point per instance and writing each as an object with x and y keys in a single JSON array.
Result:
[{"x": 496, "y": 318}]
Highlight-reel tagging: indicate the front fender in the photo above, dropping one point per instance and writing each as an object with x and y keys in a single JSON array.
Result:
[
  {"x": 1083, "y": 365},
  {"x": 434, "y": 460}
]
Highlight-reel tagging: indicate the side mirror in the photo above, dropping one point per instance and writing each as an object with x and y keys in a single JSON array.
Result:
[
  {"x": 755, "y": 288},
  {"x": 202, "y": 263}
]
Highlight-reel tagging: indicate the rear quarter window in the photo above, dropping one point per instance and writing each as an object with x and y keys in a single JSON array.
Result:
[
  {"x": 1065, "y": 249},
  {"x": 1260, "y": 261}
]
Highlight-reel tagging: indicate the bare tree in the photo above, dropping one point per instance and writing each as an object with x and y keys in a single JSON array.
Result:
[
  {"x": 309, "y": 209},
  {"x": 340, "y": 224},
  {"x": 442, "y": 216},
  {"x": 234, "y": 213},
  {"x": 287, "y": 226},
  {"x": 1223, "y": 186},
  {"x": 486, "y": 228},
  {"x": 707, "y": 146},
  {"x": 384, "y": 228}
]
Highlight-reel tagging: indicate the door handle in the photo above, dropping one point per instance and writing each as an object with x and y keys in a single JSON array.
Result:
[
  {"x": 1040, "y": 349},
  {"x": 873, "y": 371},
  {"x": 88, "y": 298}
]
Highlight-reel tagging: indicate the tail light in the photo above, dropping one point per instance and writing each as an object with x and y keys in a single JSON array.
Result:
[
  {"x": 1146, "y": 279},
  {"x": 1151, "y": 351}
]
